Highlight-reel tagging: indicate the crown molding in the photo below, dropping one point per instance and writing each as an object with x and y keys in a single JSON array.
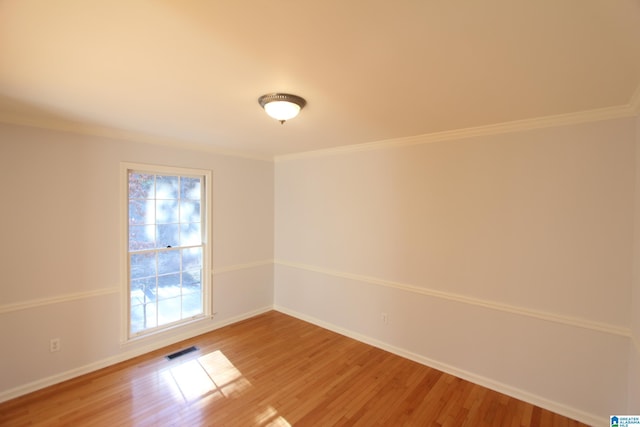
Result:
[
  {"x": 632, "y": 108},
  {"x": 122, "y": 135},
  {"x": 607, "y": 113}
]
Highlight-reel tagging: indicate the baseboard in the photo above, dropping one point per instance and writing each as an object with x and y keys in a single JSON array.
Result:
[
  {"x": 463, "y": 299},
  {"x": 517, "y": 393},
  {"x": 91, "y": 367}
]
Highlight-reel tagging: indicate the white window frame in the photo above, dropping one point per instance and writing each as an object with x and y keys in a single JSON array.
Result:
[{"x": 125, "y": 167}]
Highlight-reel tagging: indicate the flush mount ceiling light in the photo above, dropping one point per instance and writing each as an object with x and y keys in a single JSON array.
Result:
[{"x": 282, "y": 106}]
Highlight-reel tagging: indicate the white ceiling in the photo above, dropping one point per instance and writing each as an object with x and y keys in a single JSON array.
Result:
[{"x": 190, "y": 71}]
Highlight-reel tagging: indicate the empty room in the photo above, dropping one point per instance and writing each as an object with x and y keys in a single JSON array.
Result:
[{"x": 282, "y": 213}]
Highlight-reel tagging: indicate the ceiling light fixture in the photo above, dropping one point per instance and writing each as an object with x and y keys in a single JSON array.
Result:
[{"x": 282, "y": 106}]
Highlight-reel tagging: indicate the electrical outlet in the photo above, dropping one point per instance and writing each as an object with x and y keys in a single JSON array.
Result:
[
  {"x": 54, "y": 345},
  {"x": 385, "y": 318}
]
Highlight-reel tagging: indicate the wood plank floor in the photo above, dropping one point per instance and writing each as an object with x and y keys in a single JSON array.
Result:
[{"x": 272, "y": 370}]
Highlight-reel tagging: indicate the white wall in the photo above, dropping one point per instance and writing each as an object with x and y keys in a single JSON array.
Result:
[
  {"x": 60, "y": 255},
  {"x": 504, "y": 259}
]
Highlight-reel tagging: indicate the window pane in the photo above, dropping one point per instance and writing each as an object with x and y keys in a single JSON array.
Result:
[
  {"x": 150, "y": 315},
  {"x": 136, "y": 292},
  {"x": 150, "y": 291},
  {"x": 169, "y": 310},
  {"x": 191, "y": 305},
  {"x": 143, "y": 290},
  {"x": 143, "y": 317},
  {"x": 169, "y": 261},
  {"x": 142, "y": 265},
  {"x": 190, "y": 188},
  {"x": 141, "y": 186},
  {"x": 191, "y": 258},
  {"x": 166, "y": 187},
  {"x": 167, "y": 211},
  {"x": 190, "y": 234},
  {"x": 167, "y": 235},
  {"x": 169, "y": 286},
  {"x": 191, "y": 280},
  {"x": 137, "y": 318},
  {"x": 189, "y": 211},
  {"x": 141, "y": 212},
  {"x": 141, "y": 237}
]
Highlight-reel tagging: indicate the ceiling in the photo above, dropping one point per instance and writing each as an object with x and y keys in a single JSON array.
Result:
[{"x": 191, "y": 71}]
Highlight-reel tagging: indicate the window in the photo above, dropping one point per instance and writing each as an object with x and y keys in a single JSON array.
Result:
[{"x": 167, "y": 254}]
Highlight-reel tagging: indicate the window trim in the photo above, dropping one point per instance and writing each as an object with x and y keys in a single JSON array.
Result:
[{"x": 207, "y": 287}]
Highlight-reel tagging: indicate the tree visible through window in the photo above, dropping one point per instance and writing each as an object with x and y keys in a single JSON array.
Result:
[{"x": 166, "y": 249}]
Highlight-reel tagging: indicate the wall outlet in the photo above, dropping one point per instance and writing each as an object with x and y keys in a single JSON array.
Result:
[
  {"x": 54, "y": 345},
  {"x": 385, "y": 318}
]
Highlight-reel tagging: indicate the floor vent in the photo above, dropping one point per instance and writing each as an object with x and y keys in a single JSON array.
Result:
[{"x": 181, "y": 352}]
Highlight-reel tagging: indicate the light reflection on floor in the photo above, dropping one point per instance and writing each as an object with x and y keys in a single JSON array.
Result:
[
  {"x": 192, "y": 380},
  {"x": 227, "y": 377},
  {"x": 270, "y": 417},
  {"x": 202, "y": 381}
]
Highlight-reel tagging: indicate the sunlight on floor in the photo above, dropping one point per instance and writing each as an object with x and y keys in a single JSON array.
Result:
[
  {"x": 227, "y": 377},
  {"x": 192, "y": 380},
  {"x": 201, "y": 382},
  {"x": 269, "y": 417}
]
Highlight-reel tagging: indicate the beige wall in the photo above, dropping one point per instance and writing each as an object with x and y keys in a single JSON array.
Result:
[
  {"x": 61, "y": 249},
  {"x": 505, "y": 259}
]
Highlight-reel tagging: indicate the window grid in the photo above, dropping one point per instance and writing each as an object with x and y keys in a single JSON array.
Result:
[{"x": 161, "y": 297}]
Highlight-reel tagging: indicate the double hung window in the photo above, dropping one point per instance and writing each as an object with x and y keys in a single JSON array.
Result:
[{"x": 167, "y": 247}]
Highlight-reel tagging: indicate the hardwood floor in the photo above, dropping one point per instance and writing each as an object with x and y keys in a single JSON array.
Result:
[{"x": 272, "y": 370}]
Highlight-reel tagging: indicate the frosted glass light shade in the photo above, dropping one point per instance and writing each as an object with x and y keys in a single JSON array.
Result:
[
  {"x": 282, "y": 106},
  {"x": 282, "y": 110}
]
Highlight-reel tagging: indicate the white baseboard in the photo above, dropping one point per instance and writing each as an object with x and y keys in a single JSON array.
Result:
[
  {"x": 573, "y": 413},
  {"x": 73, "y": 373},
  {"x": 517, "y": 393},
  {"x": 463, "y": 299}
]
